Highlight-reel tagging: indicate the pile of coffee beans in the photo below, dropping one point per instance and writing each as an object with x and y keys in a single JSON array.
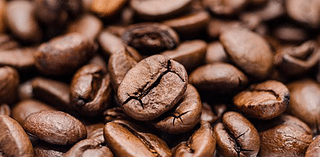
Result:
[{"x": 159, "y": 78}]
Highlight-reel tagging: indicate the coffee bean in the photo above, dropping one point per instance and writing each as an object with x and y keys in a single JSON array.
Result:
[
  {"x": 202, "y": 143},
  {"x": 184, "y": 117},
  {"x": 218, "y": 78},
  {"x": 290, "y": 34},
  {"x": 44, "y": 149},
  {"x": 305, "y": 101},
  {"x": 123, "y": 138},
  {"x": 25, "y": 90},
  {"x": 7, "y": 42},
  {"x": 150, "y": 38},
  {"x": 13, "y": 140},
  {"x": 55, "y": 127},
  {"x": 3, "y": 4},
  {"x": 97, "y": 133},
  {"x": 91, "y": 90},
  {"x": 190, "y": 53},
  {"x": 212, "y": 114},
  {"x": 225, "y": 7},
  {"x": 21, "y": 59},
  {"x": 314, "y": 149},
  {"x": 159, "y": 9},
  {"x": 106, "y": 8},
  {"x": 63, "y": 54},
  {"x": 5, "y": 110},
  {"x": 215, "y": 53},
  {"x": 9, "y": 82},
  {"x": 27, "y": 107},
  {"x": 249, "y": 51},
  {"x": 217, "y": 26},
  {"x": 20, "y": 17},
  {"x": 236, "y": 136},
  {"x": 284, "y": 136},
  {"x": 115, "y": 113},
  {"x": 265, "y": 100},
  {"x": 89, "y": 148},
  {"x": 87, "y": 25},
  {"x": 152, "y": 87}
]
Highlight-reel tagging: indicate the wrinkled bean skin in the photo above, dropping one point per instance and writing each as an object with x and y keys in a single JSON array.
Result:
[
  {"x": 55, "y": 127},
  {"x": 63, "y": 54},
  {"x": 14, "y": 141},
  {"x": 185, "y": 116},
  {"x": 91, "y": 90},
  {"x": 9, "y": 82},
  {"x": 202, "y": 143},
  {"x": 148, "y": 96},
  {"x": 124, "y": 138},
  {"x": 236, "y": 136},
  {"x": 314, "y": 149}
]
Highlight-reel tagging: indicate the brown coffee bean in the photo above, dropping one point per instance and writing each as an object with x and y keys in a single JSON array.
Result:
[
  {"x": 64, "y": 54},
  {"x": 297, "y": 60},
  {"x": 184, "y": 117},
  {"x": 284, "y": 136},
  {"x": 217, "y": 26},
  {"x": 190, "y": 53},
  {"x": 115, "y": 113},
  {"x": 290, "y": 34},
  {"x": 89, "y": 148},
  {"x": 25, "y": 90},
  {"x": 21, "y": 59},
  {"x": 152, "y": 87},
  {"x": 150, "y": 38},
  {"x": 272, "y": 9},
  {"x": 265, "y": 100},
  {"x": 218, "y": 77},
  {"x": 215, "y": 53},
  {"x": 225, "y": 7},
  {"x": 20, "y": 17},
  {"x": 55, "y": 127},
  {"x": 52, "y": 92},
  {"x": 202, "y": 143},
  {"x": 236, "y": 136},
  {"x": 249, "y": 51},
  {"x": 189, "y": 24},
  {"x": 123, "y": 138},
  {"x": 27, "y": 107},
  {"x": 91, "y": 90},
  {"x": 14, "y": 141},
  {"x": 97, "y": 133},
  {"x": 159, "y": 9},
  {"x": 305, "y": 102},
  {"x": 5, "y": 110},
  {"x": 212, "y": 114},
  {"x": 107, "y": 8},
  {"x": 9, "y": 82},
  {"x": 7, "y": 42},
  {"x": 116, "y": 30},
  {"x": 314, "y": 148},
  {"x": 87, "y": 25},
  {"x": 119, "y": 64},
  {"x": 3, "y": 5}
]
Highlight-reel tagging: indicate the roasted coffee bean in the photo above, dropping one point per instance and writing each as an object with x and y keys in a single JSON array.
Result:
[
  {"x": 236, "y": 136},
  {"x": 314, "y": 148},
  {"x": 202, "y": 143},
  {"x": 190, "y": 24},
  {"x": 7, "y": 42},
  {"x": 305, "y": 102},
  {"x": 14, "y": 141},
  {"x": 115, "y": 113},
  {"x": 20, "y": 17},
  {"x": 184, "y": 117},
  {"x": 96, "y": 133},
  {"x": 5, "y": 110},
  {"x": 290, "y": 34},
  {"x": 87, "y": 25},
  {"x": 123, "y": 138},
  {"x": 190, "y": 53},
  {"x": 64, "y": 54},
  {"x": 265, "y": 100},
  {"x": 225, "y": 7},
  {"x": 218, "y": 78},
  {"x": 272, "y": 9},
  {"x": 297, "y": 60},
  {"x": 107, "y": 8},
  {"x": 217, "y": 26},
  {"x": 98, "y": 60},
  {"x": 119, "y": 64},
  {"x": 52, "y": 92},
  {"x": 25, "y": 90},
  {"x": 284, "y": 136},
  {"x": 212, "y": 114},
  {"x": 89, "y": 148},
  {"x": 91, "y": 90},
  {"x": 9, "y": 82},
  {"x": 159, "y": 9},
  {"x": 55, "y": 127},
  {"x": 150, "y": 38},
  {"x": 44, "y": 149},
  {"x": 152, "y": 87},
  {"x": 249, "y": 51},
  {"x": 27, "y": 107},
  {"x": 21, "y": 59},
  {"x": 3, "y": 5},
  {"x": 215, "y": 53}
]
